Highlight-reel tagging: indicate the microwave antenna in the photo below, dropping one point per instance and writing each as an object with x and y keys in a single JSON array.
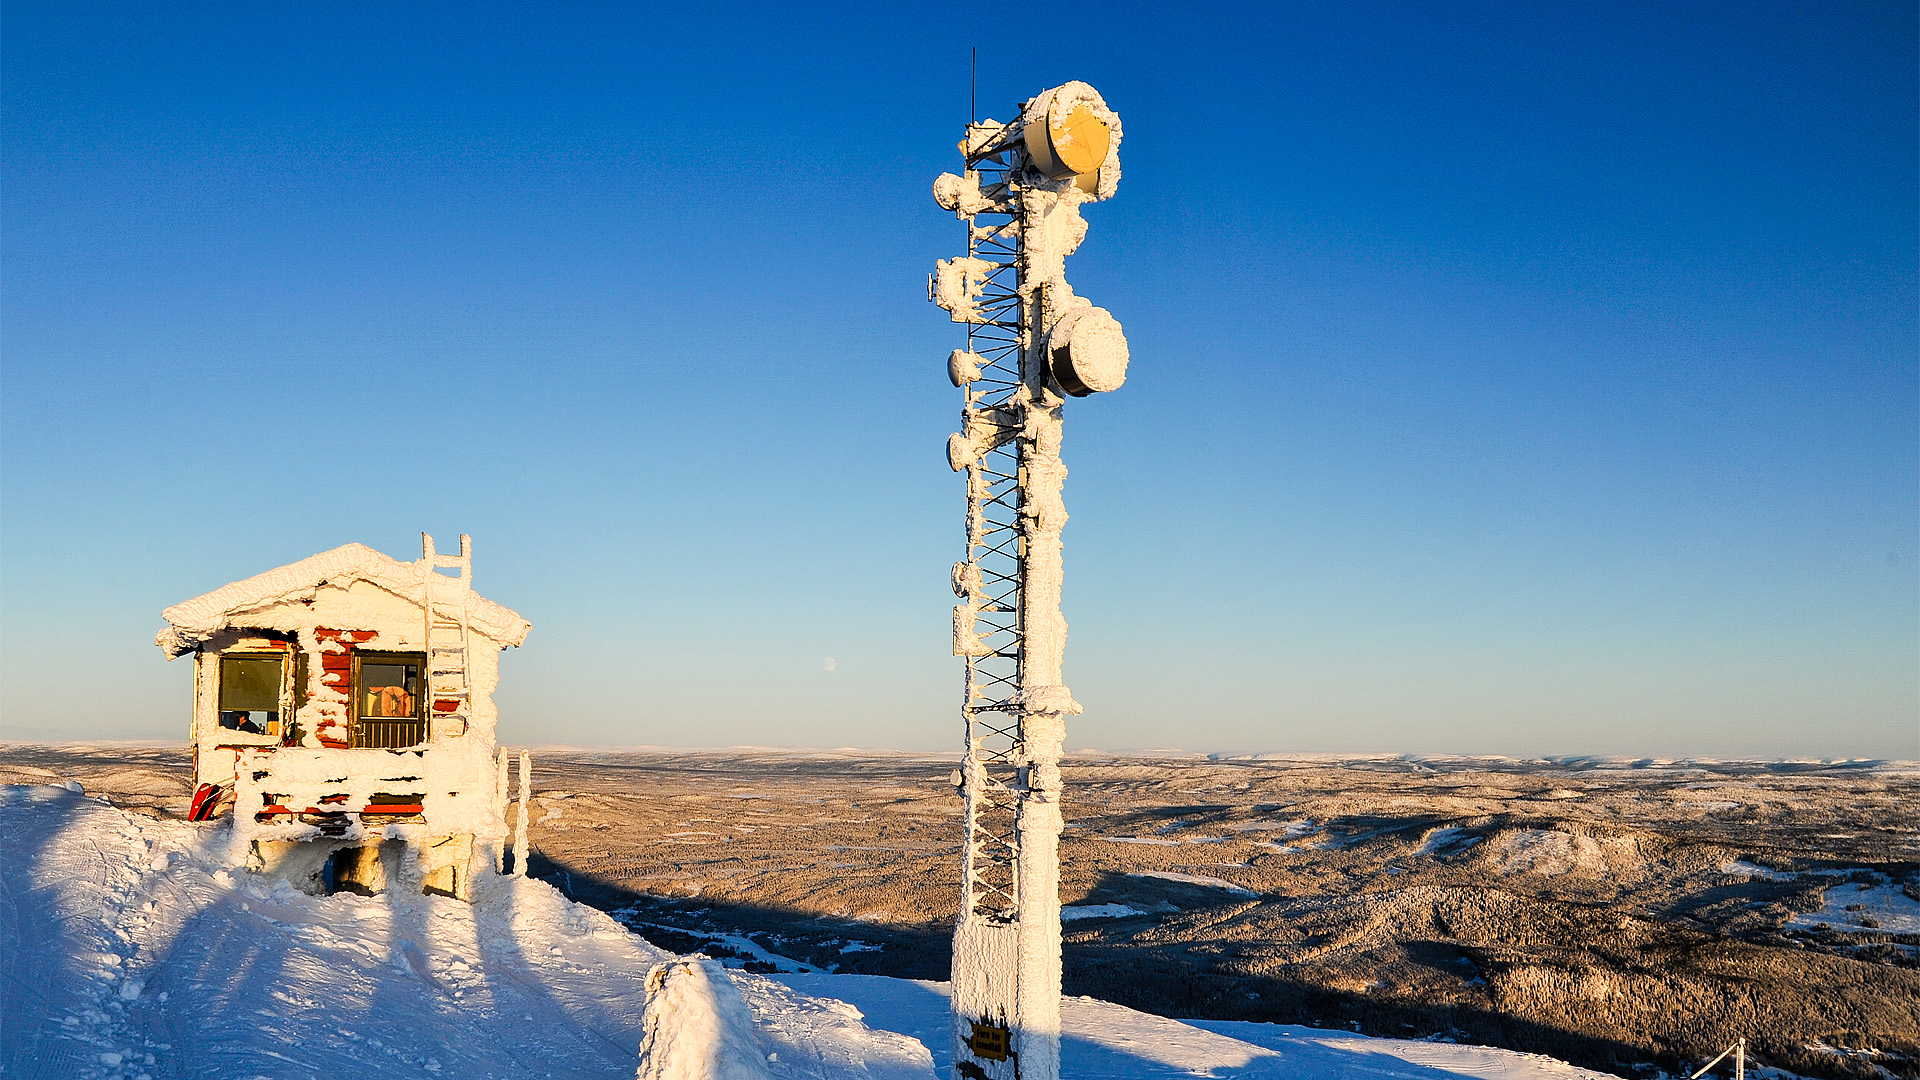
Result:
[{"x": 1031, "y": 344}]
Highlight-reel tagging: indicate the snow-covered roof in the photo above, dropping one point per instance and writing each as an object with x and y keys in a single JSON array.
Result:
[{"x": 191, "y": 622}]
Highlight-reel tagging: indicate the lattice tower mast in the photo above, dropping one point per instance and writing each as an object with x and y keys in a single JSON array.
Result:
[{"x": 1031, "y": 343}]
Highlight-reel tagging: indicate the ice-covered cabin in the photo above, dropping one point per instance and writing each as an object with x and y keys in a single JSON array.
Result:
[{"x": 343, "y": 703}]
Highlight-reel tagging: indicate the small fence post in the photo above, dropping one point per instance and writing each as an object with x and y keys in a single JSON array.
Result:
[
  {"x": 520, "y": 820},
  {"x": 500, "y": 800}
]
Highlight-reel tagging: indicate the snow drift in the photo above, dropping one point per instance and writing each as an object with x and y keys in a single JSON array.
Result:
[{"x": 697, "y": 1028}]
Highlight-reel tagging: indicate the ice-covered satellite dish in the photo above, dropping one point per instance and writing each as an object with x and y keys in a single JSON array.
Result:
[
  {"x": 963, "y": 366},
  {"x": 1087, "y": 351},
  {"x": 1066, "y": 135}
]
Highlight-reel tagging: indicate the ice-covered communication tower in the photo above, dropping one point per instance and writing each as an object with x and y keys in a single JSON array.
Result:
[{"x": 1031, "y": 343}]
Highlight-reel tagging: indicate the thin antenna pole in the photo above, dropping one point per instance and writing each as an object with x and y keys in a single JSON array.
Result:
[{"x": 973, "y": 89}]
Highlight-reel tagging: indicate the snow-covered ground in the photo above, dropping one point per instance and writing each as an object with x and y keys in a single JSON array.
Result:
[
  {"x": 130, "y": 949},
  {"x": 1103, "y": 1041},
  {"x": 1848, "y": 906},
  {"x": 1864, "y": 907}
]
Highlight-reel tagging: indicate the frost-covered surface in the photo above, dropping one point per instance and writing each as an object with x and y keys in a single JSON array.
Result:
[
  {"x": 957, "y": 284},
  {"x": 349, "y": 598},
  {"x": 1012, "y": 972},
  {"x": 963, "y": 366},
  {"x": 456, "y": 782},
  {"x": 1095, "y": 350},
  {"x": 1052, "y": 105},
  {"x": 697, "y": 1027},
  {"x": 333, "y": 604},
  {"x": 193, "y": 621},
  {"x": 962, "y": 195}
]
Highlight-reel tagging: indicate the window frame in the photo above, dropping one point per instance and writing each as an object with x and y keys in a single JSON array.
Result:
[
  {"x": 421, "y": 712},
  {"x": 284, "y": 711}
]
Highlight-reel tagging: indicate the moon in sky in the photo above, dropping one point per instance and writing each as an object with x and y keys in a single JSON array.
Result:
[{"x": 829, "y": 663}]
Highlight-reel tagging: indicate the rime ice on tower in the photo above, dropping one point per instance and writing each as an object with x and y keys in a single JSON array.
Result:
[
  {"x": 1031, "y": 344},
  {"x": 345, "y": 701}
]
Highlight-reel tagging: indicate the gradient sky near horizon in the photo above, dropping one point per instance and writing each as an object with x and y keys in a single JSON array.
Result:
[{"x": 1507, "y": 378}]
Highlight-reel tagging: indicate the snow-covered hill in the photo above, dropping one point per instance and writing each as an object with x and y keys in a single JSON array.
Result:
[{"x": 129, "y": 949}]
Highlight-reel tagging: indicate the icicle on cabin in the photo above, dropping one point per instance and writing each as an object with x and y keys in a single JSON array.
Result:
[{"x": 343, "y": 708}]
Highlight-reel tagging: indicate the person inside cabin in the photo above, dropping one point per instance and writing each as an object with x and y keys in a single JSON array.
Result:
[
  {"x": 240, "y": 720},
  {"x": 250, "y": 687}
]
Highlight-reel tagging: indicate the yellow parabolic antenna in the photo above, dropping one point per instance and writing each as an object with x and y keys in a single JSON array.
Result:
[
  {"x": 1080, "y": 139},
  {"x": 1074, "y": 139}
]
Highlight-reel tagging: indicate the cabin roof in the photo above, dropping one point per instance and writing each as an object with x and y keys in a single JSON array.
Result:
[{"x": 191, "y": 622}]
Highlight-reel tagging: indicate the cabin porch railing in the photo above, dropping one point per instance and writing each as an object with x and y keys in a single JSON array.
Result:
[{"x": 397, "y": 734}]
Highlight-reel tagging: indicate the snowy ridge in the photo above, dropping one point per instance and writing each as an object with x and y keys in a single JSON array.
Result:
[{"x": 129, "y": 950}]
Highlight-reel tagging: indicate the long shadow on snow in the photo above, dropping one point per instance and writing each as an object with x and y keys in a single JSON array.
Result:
[
  {"x": 38, "y": 987},
  {"x": 588, "y": 1038},
  {"x": 41, "y": 988},
  {"x": 245, "y": 963},
  {"x": 233, "y": 983}
]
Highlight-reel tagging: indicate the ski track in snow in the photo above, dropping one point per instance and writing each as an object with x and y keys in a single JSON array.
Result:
[{"x": 130, "y": 950}]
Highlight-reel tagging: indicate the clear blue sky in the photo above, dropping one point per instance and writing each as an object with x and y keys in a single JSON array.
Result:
[{"x": 1507, "y": 378}]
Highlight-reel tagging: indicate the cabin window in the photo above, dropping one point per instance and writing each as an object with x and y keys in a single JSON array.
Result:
[
  {"x": 388, "y": 699},
  {"x": 250, "y": 693}
]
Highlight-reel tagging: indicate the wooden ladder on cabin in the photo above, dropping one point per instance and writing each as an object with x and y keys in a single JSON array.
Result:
[{"x": 449, "y": 689}]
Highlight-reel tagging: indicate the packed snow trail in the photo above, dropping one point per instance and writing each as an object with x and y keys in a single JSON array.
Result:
[{"x": 130, "y": 950}]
